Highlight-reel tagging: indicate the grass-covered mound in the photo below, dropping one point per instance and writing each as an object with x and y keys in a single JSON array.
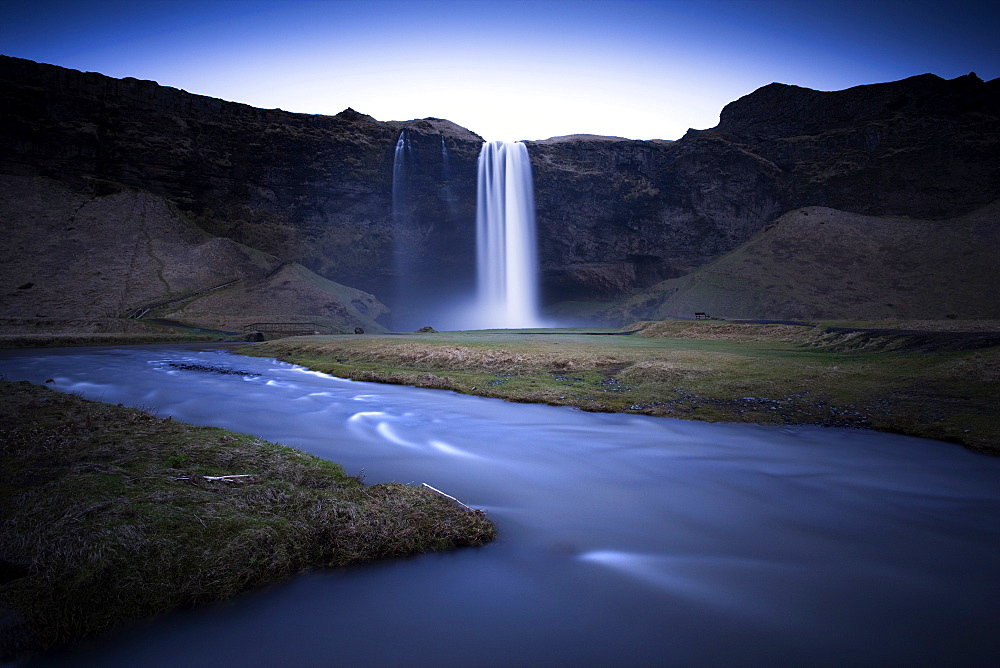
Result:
[
  {"x": 60, "y": 332},
  {"x": 821, "y": 263},
  {"x": 110, "y": 513},
  {"x": 66, "y": 339},
  {"x": 934, "y": 382}
]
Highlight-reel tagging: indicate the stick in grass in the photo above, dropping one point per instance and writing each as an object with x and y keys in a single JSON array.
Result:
[
  {"x": 229, "y": 478},
  {"x": 433, "y": 489}
]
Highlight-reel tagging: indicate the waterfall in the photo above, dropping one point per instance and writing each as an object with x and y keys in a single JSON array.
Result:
[
  {"x": 399, "y": 175},
  {"x": 506, "y": 256},
  {"x": 402, "y": 227}
]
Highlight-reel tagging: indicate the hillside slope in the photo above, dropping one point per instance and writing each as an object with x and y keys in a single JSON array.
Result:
[
  {"x": 71, "y": 256},
  {"x": 821, "y": 263}
]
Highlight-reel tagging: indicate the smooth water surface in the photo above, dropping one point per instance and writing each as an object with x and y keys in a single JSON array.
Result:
[{"x": 624, "y": 540}]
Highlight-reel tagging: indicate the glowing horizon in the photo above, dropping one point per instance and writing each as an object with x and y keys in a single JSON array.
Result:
[{"x": 638, "y": 69}]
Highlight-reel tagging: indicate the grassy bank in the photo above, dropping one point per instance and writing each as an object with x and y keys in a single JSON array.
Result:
[
  {"x": 111, "y": 513},
  {"x": 50, "y": 332},
  {"x": 65, "y": 339},
  {"x": 935, "y": 384}
]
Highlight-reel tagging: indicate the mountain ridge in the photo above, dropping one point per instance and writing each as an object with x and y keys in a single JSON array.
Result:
[{"x": 615, "y": 216}]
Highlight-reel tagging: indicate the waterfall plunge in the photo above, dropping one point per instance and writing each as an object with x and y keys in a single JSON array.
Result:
[{"x": 506, "y": 255}]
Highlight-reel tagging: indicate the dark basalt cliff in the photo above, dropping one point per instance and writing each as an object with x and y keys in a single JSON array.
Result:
[
  {"x": 311, "y": 189},
  {"x": 923, "y": 147},
  {"x": 614, "y": 215},
  {"x": 617, "y": 214}
]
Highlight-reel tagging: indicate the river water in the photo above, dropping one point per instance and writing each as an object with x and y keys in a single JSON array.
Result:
[{"x": 624, "y": 539}]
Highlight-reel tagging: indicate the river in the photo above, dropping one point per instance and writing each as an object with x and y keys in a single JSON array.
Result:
[{"x": 624, "y": 539}]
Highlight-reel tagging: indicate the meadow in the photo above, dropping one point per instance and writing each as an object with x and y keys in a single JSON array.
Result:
[{"x": 921, "y": 378}]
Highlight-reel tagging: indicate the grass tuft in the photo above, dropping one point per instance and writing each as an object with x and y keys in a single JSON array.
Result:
[{"x": 108, "y": 516}]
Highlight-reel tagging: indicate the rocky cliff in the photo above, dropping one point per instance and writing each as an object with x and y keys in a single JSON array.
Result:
[
  {"x": 615, "y": 216},
  {"x": 922, "y": 147},
  {"x": 310, "y": 189}
]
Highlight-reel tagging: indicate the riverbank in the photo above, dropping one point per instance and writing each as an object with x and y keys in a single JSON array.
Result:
[
  {"x": 925, "y": 379},
  {"x": 67, "y": 339},
  {"x": 111, "y": 514},
  {"x": 58, "y": 333}
]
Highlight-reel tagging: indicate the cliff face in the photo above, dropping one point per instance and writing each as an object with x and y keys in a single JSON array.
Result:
[
  {"x": 615, "y": 216},
  {"x": 311, "y": 189},
  {"x": 923, "y": 147}
]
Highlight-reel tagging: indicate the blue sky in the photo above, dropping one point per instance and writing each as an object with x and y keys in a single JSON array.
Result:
[{"x": 509, "y": 70}]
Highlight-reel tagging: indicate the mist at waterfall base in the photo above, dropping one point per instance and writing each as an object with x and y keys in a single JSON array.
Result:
[
  {"x": 505, "y": 294},
  {"x": 623, "y": 539}
]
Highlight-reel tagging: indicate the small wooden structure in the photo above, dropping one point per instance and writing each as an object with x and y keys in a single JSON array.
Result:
[{"x": 701, "y": 316}]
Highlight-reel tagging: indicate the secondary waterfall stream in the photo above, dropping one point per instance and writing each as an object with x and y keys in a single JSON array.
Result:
[
  {"x": 624, "y": 539},
  {"x": 402, "y": 223}
]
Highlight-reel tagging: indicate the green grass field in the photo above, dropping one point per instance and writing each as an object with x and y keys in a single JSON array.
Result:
[
  {"x": 715, "y": 371},
  {"x": 111, "y": 513}
]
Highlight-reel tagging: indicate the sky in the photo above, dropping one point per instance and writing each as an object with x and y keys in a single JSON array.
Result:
[{"x": 512, "y": 70}]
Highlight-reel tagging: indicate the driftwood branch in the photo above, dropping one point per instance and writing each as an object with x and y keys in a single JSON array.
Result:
[
  {"x": 223, "y": 478},
  {"x": 229, "y": 478},
  {"x": 433, "y": 489}
]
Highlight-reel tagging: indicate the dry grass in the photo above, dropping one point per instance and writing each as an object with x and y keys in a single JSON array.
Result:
[
  {"x": 724, "y": 331},
  {"x": 62, "y": 339},
  {"x": 438, "y": 352},
  {"x": 946, "y": 325},
  {"x": 685, "y": 366},
  {"x": 931, "y": 385},
  {"x": 108, "y": 516},
  {"x": 54, "y": 332},
  {"x": 982, "y": 366}
]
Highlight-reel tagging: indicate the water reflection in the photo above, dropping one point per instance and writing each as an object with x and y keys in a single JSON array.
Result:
[{"x": 624, "y": 539}]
